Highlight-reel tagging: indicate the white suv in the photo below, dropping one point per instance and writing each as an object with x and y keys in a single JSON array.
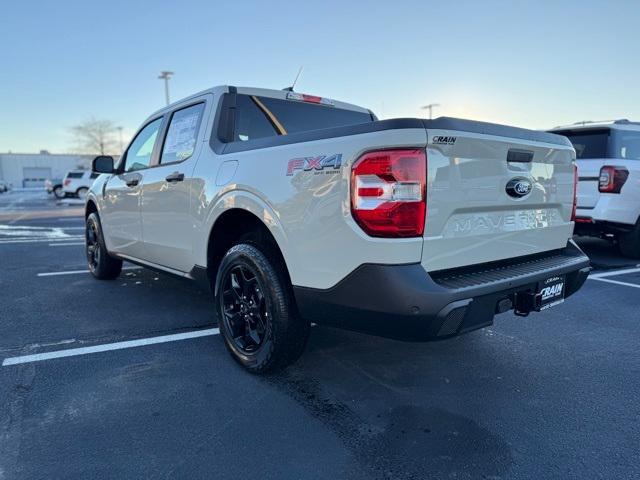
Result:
[
  {"x": 78, "y": 182},
  {"x": 608, "y": 160}
]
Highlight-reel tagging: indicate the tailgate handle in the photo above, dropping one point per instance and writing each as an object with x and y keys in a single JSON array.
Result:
[{"x": 516, "y": 155}]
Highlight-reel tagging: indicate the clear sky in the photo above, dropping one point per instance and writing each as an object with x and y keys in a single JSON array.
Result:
[{"x": 534, "y": 64}]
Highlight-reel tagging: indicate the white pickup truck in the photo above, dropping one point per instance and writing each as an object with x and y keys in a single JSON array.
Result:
[{"x": 298, "y": 209}]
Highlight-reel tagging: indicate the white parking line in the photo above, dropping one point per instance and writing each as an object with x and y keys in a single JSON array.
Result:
[
  {"x": 11, "y": 241},
  {"x": 613, "y": 273},
  {"x": 72, "y": 352},
  {"x": 617, "y": 282},
  {"x": 603, "y": 277},
  {"x": 72, "y": 272},
  {"x": 65, "y": 244},
  {"x": 17, "y": 219}
]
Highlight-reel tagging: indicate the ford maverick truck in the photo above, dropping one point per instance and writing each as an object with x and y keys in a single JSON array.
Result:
[{"x": 297, "y": 209}]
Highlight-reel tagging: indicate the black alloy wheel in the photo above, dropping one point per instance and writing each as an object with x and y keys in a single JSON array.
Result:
[
  {"x": 256, "y": 308},
  {"x": 245, "y": 308},
  {"x": 100, "y": 263}
]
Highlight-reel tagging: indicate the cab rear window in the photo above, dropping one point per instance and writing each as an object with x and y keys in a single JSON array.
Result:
[
  {"x": 295, "y": 116},
  {"x": 260, "y": 117}
]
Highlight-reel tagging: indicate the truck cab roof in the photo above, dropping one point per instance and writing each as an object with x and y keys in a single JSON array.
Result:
[{"x": 261, "y": 92}]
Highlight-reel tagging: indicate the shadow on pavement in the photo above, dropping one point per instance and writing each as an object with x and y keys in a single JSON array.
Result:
[{"x": 604, "y": 254}]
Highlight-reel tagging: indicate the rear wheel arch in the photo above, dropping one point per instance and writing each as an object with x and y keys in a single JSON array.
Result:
[
  {"x": 236, "y": 225},
  {"x": 629, "y": 242}
]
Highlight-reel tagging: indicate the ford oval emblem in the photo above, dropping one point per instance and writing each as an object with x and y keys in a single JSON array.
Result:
[{"x": 519, "y": 187}]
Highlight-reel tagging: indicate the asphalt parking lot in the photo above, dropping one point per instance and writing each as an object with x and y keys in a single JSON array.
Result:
[{"x": 148, "y": 389}]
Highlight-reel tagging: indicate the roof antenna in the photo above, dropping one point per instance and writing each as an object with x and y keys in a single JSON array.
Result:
[{"x": 290, "y": 89}]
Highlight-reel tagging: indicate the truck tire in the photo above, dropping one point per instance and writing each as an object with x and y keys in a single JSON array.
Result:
[
  {"x": 258, "y": 317},
  {"x": 82, "y": 193},
  {"x": 629, "y": 243},
  {"x": 101, "y": 265}
]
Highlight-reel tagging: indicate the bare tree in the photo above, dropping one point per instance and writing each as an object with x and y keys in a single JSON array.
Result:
[{"x": 96, "y": 135}]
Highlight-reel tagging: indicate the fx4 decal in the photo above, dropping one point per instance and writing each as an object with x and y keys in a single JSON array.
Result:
[{"x": 317, "y": 164}]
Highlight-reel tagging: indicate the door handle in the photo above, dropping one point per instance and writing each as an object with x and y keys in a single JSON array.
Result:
[
  {"x": 132, "y": 182},
  {"x": 175, "y": 177}
]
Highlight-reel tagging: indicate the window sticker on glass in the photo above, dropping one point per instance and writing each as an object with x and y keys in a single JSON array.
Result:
[{"x": 181, "y": 137}]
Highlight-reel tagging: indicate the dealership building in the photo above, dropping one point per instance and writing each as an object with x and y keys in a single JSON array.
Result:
[{"x": 27, "y": 170}]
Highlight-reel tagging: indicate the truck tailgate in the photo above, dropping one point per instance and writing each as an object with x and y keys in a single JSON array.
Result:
[{"x": 494, "y": 193}]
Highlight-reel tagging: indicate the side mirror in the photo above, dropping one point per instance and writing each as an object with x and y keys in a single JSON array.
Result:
[{"x": 103, "y": 164}]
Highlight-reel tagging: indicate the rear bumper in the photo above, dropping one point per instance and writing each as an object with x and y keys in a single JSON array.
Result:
[
  {"x": 611, "y": 208},
  {"x": 407, "y": 303},
  {"x": 588, "y": 226}
]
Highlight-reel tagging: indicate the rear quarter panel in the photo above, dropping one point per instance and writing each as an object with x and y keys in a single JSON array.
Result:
[
  {"x": 308, "y": 212},
  {"x": 623, "y": 207}
]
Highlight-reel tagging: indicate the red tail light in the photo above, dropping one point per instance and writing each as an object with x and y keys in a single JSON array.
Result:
[
  {"x": 575, "y": 193},
  {"x": 612, "y": 179},
  {"x": 67, "y": 181},
  {"x": 388, "y": 192}
]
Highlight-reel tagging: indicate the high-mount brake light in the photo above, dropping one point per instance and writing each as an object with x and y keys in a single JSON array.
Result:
[
  {"x": 388, "y": 192},
  {"x": 303, "y": 97},
  {"x": 612, "y": 179}
]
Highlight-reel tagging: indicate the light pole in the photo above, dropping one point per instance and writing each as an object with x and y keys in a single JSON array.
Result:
[
  {"x": 430, "y": 108},
  {"x": 120, "y": 137},
  {"x": 165, "y": 75}
]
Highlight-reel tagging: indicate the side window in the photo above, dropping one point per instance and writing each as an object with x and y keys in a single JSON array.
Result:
[
  {"x": 93, "y": 176},
  {"x": 139, "y": 153},
  {"x": 627, "y": 144},
  {"x": 182, "y": 134},
  {"x": 251, "y": 123}
]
